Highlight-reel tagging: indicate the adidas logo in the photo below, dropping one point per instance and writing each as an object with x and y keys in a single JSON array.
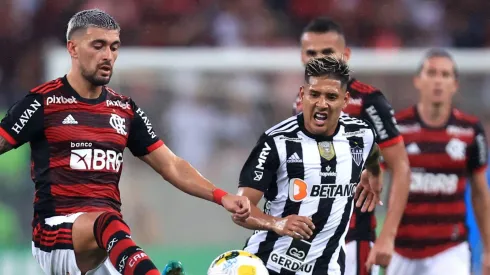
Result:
[
  {"x": 413, "y": 149},
  {"x": 69, "y": 120},
  {"x": 294, "y": 158}
]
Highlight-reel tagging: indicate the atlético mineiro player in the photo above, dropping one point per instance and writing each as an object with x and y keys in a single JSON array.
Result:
[
  {"x": 78, "y": 129},
  {"x": 445, "y": 147},
  {"x": 321, "y": 37}
]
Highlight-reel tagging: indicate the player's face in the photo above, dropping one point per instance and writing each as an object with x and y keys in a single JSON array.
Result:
[
  {"x": 437, "y": 82},
  {"x": 96, "y": 52},
  {"x": 323, "y": 99},
  {"x": 317, "y": 45}
]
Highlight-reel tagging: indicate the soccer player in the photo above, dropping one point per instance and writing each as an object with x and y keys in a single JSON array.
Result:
[
  {"x": 445, "y": 147},
  {"x": 325, "y": 37},
  {"x": 307, "y": 167},
  {"x": 78, "y": 129}
]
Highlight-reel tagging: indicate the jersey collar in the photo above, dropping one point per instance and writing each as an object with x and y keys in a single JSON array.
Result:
[
  {"x": 74, "y": 93},
  {"x": 301, "y": 123}
]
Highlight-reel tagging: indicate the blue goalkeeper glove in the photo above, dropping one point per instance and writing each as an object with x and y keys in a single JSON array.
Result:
[{"x": 174, "y": 268}]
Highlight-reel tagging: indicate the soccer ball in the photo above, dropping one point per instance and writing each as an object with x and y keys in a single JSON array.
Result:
[{"x": 237, "y": 262}]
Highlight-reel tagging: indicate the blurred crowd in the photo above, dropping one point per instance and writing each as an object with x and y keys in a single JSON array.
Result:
[
  {"x": 28, "y": 26},
  {"x": 215, "y": 118}
]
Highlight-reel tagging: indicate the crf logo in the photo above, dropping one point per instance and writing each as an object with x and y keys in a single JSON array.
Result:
[
  {"x": 88, "y": 159},
  {"x": 60, "y": 100},
  {"x": 119, "y": 124}
]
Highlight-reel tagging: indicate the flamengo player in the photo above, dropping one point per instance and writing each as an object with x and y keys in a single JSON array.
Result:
[
  {"x": 307, "y": 168},
  {"x": 325, "y": 37},
  {"x": 77, "y": 129},
  {"x": 445, "y": 146}
]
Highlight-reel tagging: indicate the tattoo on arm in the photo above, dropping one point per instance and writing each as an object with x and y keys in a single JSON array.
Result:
[
  {"x": 372, "y": 162},
  {"x": 4, "y": 146}
]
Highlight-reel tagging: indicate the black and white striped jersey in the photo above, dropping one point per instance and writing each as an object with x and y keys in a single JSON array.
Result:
[{"x": 312, "y": 176}]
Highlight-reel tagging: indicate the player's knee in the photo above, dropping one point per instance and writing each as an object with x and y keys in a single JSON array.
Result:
[{"x": 108, "y": 228}]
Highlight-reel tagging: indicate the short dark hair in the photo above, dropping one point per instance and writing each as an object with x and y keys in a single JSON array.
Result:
[
  {"x": 323, "y": 25},
  {"x": 328, "y": 66},
  {"x": 91, "y": 18},
  {"x": 437, "y": 53}
]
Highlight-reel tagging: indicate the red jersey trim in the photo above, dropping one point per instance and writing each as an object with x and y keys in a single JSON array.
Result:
[
  {"x": 476, "y": 171},
  {"x": 7, "y": 137},
  {"x": 154, "y": 146},
  {"x": 390, "y": 142}
]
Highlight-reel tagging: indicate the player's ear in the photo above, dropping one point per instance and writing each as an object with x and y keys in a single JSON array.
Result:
[
  {"x": 71, "y": 47},
  {"x": 346, "y": 98},
  {"x": 347, "y": 53}
]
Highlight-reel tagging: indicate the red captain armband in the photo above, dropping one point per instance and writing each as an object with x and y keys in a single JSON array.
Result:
[{"x": 218, "y": 194}]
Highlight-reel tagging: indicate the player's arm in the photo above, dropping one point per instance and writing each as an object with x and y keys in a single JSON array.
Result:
[
  {"x": 480, "y": 195},
  {"x": 257, "y": 175},
  {"x": 23, "y": 121},
  {"x": 379, "y": 112},
  {"x": 145, "y": 144}
]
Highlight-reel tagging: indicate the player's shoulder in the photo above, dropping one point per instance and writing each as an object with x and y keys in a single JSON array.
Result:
[
  {"x": 47, "y": 87},
  {"x": 362, "y": 88},
  {"x": 407, "y": 114},
  {"x": 465, "y": 118},
  {"x": 351, "y": 122},
  {"x": 287, "y": 126},
  {"x": 113, "y": 95}
]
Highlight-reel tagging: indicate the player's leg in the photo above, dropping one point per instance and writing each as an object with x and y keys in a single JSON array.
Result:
[
  {"x": 98, "y": 235},
  {"x": 456, "y": 260},
  {"x": 356, "y": 254}
]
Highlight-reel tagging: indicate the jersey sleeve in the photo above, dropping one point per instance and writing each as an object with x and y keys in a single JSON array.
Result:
[
  {"x": 259, "y": 171},
  {"x": 24, "y": 120},
  {"x": 142, "y": 139},
  {"x": 378, "y": 111},
  {"x": 478, "y": 150}
]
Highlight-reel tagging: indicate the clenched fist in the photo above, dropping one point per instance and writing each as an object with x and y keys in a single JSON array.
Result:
[{"x": 295, "y": 226}]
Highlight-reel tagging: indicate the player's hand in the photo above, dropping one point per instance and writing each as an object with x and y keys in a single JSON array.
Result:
[
  {"x": 368, "y": 192},
  {"x": 295, "y": 226},
  {"x": 381, "y": 252},
  {"x": 485, "y": 269},
  {"x": 238, "y": 205}
]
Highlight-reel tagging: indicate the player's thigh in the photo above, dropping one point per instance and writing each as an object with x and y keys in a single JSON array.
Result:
[
  {"x": 400, "y": 265},
  {"x": 455, "y": 260},
  {"x": 52, "y": 245},
  {"x": 88, "y": 254},
  {"x": 356, "y": 255}
]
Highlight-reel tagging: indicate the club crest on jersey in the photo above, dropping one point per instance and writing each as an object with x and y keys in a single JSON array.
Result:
[
  {"x": 326, "y": 149},
  {"x": 118, "y": 123},
  {"x": 356, "y": 150}
]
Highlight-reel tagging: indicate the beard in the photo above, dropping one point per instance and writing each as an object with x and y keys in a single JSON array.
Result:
[{"x": 94, "y": 79}]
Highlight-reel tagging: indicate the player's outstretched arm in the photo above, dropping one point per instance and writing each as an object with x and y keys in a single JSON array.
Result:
[
  {"x": 294, "y": 226},
  {"x": 480, "y": 198},
  {"x": 5, "y": 146},
  {"x": 396, "y": 159},
  {"x": 186, "y": 178}
]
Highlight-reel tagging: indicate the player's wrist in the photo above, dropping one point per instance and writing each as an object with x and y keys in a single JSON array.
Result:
[{"x": 218, "y": 195}]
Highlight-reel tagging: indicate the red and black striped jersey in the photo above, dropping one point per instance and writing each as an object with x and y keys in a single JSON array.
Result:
[
  {"x": 77, "y": 145},
  {"x": 368, "y": 103},
  {"x": 441, "y": 159}
]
